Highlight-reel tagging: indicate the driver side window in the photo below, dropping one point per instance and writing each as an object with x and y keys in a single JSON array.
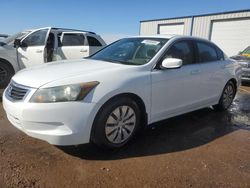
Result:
[
  {"x": 36, "y": 39},
  {"x": 181, "y": 50}
]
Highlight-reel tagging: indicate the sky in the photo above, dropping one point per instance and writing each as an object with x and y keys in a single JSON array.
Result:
[{"x": 112, "y": 19}]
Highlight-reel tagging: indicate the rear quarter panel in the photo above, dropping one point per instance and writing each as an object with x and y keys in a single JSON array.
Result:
[{"x": 232, "y": 70}]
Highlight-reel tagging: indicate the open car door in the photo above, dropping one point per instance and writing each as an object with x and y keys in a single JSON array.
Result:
[{"x": 32, "y": 48}]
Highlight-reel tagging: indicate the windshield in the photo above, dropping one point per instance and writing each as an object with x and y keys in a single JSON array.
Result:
[
  {"x": 10, "y": 39},
  {"x": 131, "y": 51}
]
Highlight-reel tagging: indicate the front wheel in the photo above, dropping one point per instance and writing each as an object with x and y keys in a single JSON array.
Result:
[
  {"x": 116, "y": 123},
  {"x": 227, "y": 96}
]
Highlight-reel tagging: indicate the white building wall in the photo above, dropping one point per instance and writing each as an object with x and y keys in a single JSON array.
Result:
[
  {"x": 202, "y": 25},
  {"x": 151, "y": 27}
]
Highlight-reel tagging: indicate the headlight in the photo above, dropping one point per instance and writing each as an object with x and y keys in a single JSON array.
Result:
[{"x": 75, "y": 92}]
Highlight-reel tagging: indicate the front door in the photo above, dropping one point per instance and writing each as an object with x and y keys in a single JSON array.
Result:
[
  {"x": 175, "y": 91},
  {"x": 32, "y": 50}
]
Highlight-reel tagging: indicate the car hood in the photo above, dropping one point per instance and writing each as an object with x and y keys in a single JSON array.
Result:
[{"x": 40, "y": 75}]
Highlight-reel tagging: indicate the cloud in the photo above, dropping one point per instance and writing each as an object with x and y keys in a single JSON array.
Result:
[{"x": 109, "y": 38}]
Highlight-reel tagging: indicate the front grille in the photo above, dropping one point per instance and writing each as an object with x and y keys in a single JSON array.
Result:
[{"x": 16, "y": 92}]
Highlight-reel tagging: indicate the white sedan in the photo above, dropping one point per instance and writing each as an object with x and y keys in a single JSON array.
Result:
[{"x": 131, "y": 83}]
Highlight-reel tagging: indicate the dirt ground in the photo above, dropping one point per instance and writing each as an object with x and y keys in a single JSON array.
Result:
[{"x": 200, "y": 149}]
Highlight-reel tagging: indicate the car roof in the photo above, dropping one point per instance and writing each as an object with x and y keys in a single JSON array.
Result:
[
  {"x": 61, "y": 30},
  {"x": 171, "y": 37}
]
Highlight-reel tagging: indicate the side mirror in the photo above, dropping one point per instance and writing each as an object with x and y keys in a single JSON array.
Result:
[
  {"x": 171, "y": 63},
  {"x": 17, "y": 43}
]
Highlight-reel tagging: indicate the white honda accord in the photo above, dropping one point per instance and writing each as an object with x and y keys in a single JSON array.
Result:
[{"x": 131, "y": 83}]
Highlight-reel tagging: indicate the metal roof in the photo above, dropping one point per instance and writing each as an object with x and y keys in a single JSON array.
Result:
[{"x": 199, "y": 15}]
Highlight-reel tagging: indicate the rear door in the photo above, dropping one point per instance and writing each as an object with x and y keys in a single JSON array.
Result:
[
  {"x": 32, "y": 50},
  {"x": 211, "y": 61},
  {"x": 72, "y": 45}
]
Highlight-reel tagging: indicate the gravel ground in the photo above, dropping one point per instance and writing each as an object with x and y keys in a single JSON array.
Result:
[{"x": 199, "y": 149}]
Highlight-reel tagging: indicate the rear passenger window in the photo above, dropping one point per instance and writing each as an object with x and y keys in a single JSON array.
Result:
[
  {"x": 73, "y": 39},
  {"x": 182, "y": 50},
  {"x": 93, "y": 41},
  {"x": 220, "y": 55},
  {"x": 207, "y": 53}
]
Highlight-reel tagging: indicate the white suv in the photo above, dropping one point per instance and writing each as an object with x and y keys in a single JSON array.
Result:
[
  {"x": 33, "y": 47},
  {"x": 129, "y": 84}
]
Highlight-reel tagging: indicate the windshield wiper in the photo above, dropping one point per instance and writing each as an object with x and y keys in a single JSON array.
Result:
[{"x": 129, "y": 63}]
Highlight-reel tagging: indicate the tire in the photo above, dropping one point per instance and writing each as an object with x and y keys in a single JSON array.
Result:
[
  {"x": 6, "y": 73},
  {"x": 227, "y": 97},
  {"x": 116, "y": 123}
]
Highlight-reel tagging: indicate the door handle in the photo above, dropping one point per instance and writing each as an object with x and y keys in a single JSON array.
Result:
[
  {"x": 83, "y": 50},
  {"x": 193, "y": 72},
  {"x": 39, "y": 51}
]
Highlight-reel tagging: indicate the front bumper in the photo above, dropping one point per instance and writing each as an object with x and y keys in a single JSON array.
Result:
[{"x": 66, "y": 123}]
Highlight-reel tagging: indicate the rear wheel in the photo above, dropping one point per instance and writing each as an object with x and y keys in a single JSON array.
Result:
[
  {"x": 227, "y": 96},
  {"x": 6, "y": 73},
  {"x": 116, "y": 123}
]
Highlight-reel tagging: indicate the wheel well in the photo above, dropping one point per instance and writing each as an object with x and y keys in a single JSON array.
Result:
[
  {"x": 142, "y": 107},
  {"x": 140, "y": 103},
  {"x": 138, "y": 100},
  {"x": 8, "y": 64},
  {"x": 234, "y": 82}
]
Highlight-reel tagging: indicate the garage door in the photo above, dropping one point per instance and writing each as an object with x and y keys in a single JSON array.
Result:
[
  {"x": 231, "y": 36},
  {"x": 171, "y": 29}
]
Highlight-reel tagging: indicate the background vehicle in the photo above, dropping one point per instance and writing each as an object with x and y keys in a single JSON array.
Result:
[
  {"x": 243, "y": 58},
  {"x": 33, "y": 47},
  {"x": 111, "y": 95},
  {"x": 2, "y": 36}
]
